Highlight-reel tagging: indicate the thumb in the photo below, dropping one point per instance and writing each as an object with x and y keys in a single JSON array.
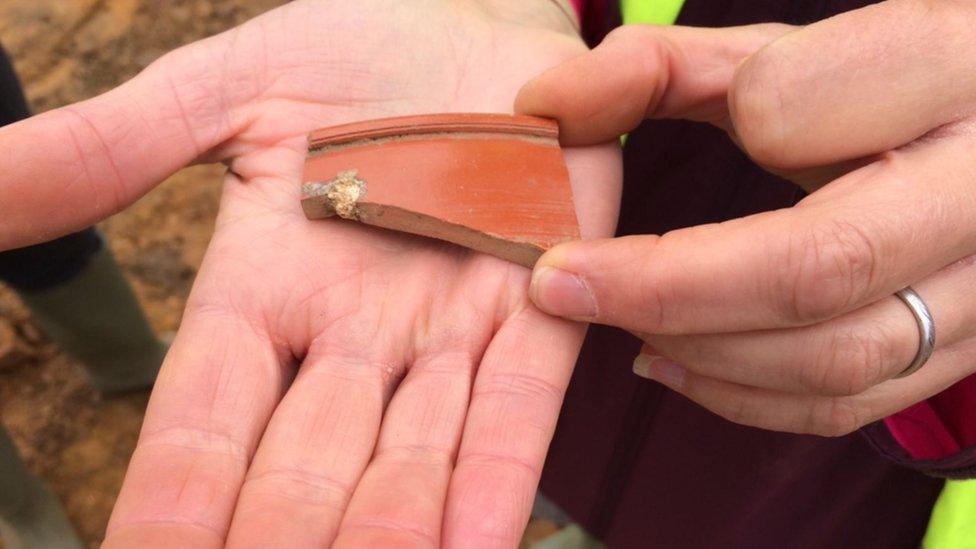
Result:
[
  {"x": 71, "y": 167},
  {"x": 644, "y": 71}
]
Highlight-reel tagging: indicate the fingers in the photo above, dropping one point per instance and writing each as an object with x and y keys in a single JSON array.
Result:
[
  {"x": 819, "y": 415},
  {"x": 314, "y": 450},
  {"x": 399, "y": 501},
  {"x": 845, "y": 356},
  {"x": 880, "y": 77},
  {"x": 780, "y": 85},
  {"x": 514, "y": 406},
  {"x": 218, "y": 386},
  {"x": 70, "y": 167},
  {"x": 642, "y": 71},
  {"x": 859, "y": 240}
]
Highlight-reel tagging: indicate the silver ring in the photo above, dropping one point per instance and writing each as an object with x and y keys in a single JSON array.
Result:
[{"x": 926, "y": 329}]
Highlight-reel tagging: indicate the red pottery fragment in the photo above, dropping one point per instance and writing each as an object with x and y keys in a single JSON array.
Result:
[{"x": 490, "y": 182}]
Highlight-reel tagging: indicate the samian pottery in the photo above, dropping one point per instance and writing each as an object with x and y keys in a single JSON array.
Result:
[{"x": 493, "y": 183}]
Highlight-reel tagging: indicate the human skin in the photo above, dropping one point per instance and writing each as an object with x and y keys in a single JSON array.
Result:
[
  {"x": 330, "y": 383},
  {"x": 786, "y": 320}
]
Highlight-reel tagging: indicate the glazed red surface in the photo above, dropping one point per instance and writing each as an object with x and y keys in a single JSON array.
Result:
[{"x": 504, "y": 185}]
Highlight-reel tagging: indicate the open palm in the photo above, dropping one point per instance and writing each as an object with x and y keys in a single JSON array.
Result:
[{"x": 330, "y": 383}]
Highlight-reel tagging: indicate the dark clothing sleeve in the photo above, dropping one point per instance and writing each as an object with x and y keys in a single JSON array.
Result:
[
  {"x": 13, "y": 106},
  {"x": 958, "y": 465}
]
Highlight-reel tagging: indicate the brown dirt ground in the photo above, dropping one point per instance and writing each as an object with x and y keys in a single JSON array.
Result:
[{"x": 66, "y": 51}]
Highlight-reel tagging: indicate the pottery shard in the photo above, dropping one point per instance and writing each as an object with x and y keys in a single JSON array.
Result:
[{"x": 493, "y": 183}]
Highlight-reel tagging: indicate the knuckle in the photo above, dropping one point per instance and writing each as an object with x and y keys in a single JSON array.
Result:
[
  {"x": 300, "y": 485},
  {"x": 834, "y": 417},
  {"x": 649, "y": 296},
  {"x": 738, "y": 411},
  {"x": 649, "y": 67},
  {"x": 397, "y": 532},
  {"x": 428, "y": 455},
  {"x": 759, "y": 106},
  {"x": 635, "y": 35},
  {"x": 852, "y": 363},
  {"x": 93, "y": 149},
  {"x": 526, "y": 386},
  {"x": 828, "y": 269},
  {"x": 627, "y": 34},
  {"x": 632, "y": 286},
  {"x": 653, "y": 293},
  {"x": 507, "y": 464},
  {"x": 199, "y": 439}
]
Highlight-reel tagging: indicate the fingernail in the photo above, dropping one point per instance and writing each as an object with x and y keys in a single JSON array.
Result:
[
  {"x": 562, "y": 293},
  {"x": 659, "y": 369}
]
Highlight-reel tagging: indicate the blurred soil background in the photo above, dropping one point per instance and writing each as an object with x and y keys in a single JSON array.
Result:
[{"x": 66, "y": 51}]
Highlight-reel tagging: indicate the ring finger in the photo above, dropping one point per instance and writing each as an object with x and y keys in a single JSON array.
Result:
[
  {"x": 843, "y": 356},
  {"x": 825, "y": 415}
]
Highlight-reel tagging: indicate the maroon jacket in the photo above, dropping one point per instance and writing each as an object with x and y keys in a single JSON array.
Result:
[{"x": 641, "y": 466}]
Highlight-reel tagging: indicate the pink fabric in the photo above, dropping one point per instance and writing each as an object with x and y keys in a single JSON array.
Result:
[
  {"x": 578, "y": 6},
  {"x": 940, "y": 426}
]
